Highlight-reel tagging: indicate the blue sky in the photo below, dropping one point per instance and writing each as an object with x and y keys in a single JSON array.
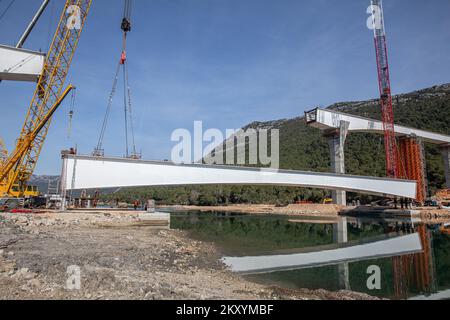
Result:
[{"x": 225, "y": 62}]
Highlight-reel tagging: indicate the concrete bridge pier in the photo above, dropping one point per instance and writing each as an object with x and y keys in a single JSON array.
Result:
[
  {"x": 446, "y": 155},
  {"x": 336, "y": 141}
]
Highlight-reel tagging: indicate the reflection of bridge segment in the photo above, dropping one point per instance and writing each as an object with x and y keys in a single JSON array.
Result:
[
  {"x": 337, "y": 125},
  {"x": 82, "y": 172},
  {"x": 381, "y": 249}
]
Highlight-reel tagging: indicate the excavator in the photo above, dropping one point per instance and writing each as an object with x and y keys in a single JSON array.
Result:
[{"x": 17, "y": 167}]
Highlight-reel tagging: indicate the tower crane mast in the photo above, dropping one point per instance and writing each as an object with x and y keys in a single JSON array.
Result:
[
  {"x": 18, "y": 168},
  {"x": 392, "y": 164}
]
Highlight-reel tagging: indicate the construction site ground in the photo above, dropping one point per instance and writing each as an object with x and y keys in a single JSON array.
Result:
[{"x": 119, "y": 258}]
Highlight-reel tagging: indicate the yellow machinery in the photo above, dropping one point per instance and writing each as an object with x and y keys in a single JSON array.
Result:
[
  {"x": 17, "y": 168},
  {"x": 30, "y": 191}
]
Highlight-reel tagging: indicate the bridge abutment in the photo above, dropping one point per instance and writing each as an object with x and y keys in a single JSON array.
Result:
[
  {"x": 446, "y": 156},
  {"x": 336, "y": 142}
]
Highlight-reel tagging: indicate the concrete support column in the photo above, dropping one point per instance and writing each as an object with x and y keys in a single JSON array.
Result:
[
  {"x": 446, "y": 155},
  {"x": 336, "y": 141}
]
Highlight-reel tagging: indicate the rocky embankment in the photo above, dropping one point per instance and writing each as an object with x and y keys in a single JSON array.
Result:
[{"x": 118, "y": 258}]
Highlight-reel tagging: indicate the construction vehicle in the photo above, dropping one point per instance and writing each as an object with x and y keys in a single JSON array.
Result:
[{"x": 17, "y": 167}]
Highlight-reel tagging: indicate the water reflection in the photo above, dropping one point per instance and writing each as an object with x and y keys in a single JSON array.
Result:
[
  {"x": 413, "y": 256},
  {"x": 411, "y": 273}
]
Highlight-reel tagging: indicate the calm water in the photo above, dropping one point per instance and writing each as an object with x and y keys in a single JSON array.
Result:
[{"x": 405, "y": 275}]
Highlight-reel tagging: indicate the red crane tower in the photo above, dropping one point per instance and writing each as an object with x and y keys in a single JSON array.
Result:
[
  {"x": 405, "y": 160},
  {"x": 392, "y": 164}
]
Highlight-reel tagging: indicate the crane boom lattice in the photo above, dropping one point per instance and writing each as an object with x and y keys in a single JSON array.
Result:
[{"x": 48, "y": 91}]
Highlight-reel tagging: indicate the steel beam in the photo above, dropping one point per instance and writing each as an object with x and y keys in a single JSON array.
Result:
[{"x": 85, "y": 172}]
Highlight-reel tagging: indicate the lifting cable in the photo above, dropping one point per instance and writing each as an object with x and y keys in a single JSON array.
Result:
[
  {"x": 4, "y": 12},
  {"x": 71, "y": 112},
  {"x": 128, "y": 111},
  {"x": 99, "y": 151}
]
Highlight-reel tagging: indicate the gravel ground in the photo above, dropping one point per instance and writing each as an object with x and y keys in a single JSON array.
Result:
[{"x": 120, "y": 258}]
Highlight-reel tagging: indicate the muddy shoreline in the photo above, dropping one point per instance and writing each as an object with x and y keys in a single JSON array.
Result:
[{"x": 118, "y": 259}]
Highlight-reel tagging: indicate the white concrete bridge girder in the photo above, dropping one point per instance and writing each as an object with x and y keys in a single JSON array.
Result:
[{"x": 96, "y": 173}]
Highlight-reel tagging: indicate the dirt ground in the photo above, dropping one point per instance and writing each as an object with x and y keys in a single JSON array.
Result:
[{"x": 119, "y": 258}]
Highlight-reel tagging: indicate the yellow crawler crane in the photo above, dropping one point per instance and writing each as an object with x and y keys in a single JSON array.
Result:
[{"x": 17, "y": 168}]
